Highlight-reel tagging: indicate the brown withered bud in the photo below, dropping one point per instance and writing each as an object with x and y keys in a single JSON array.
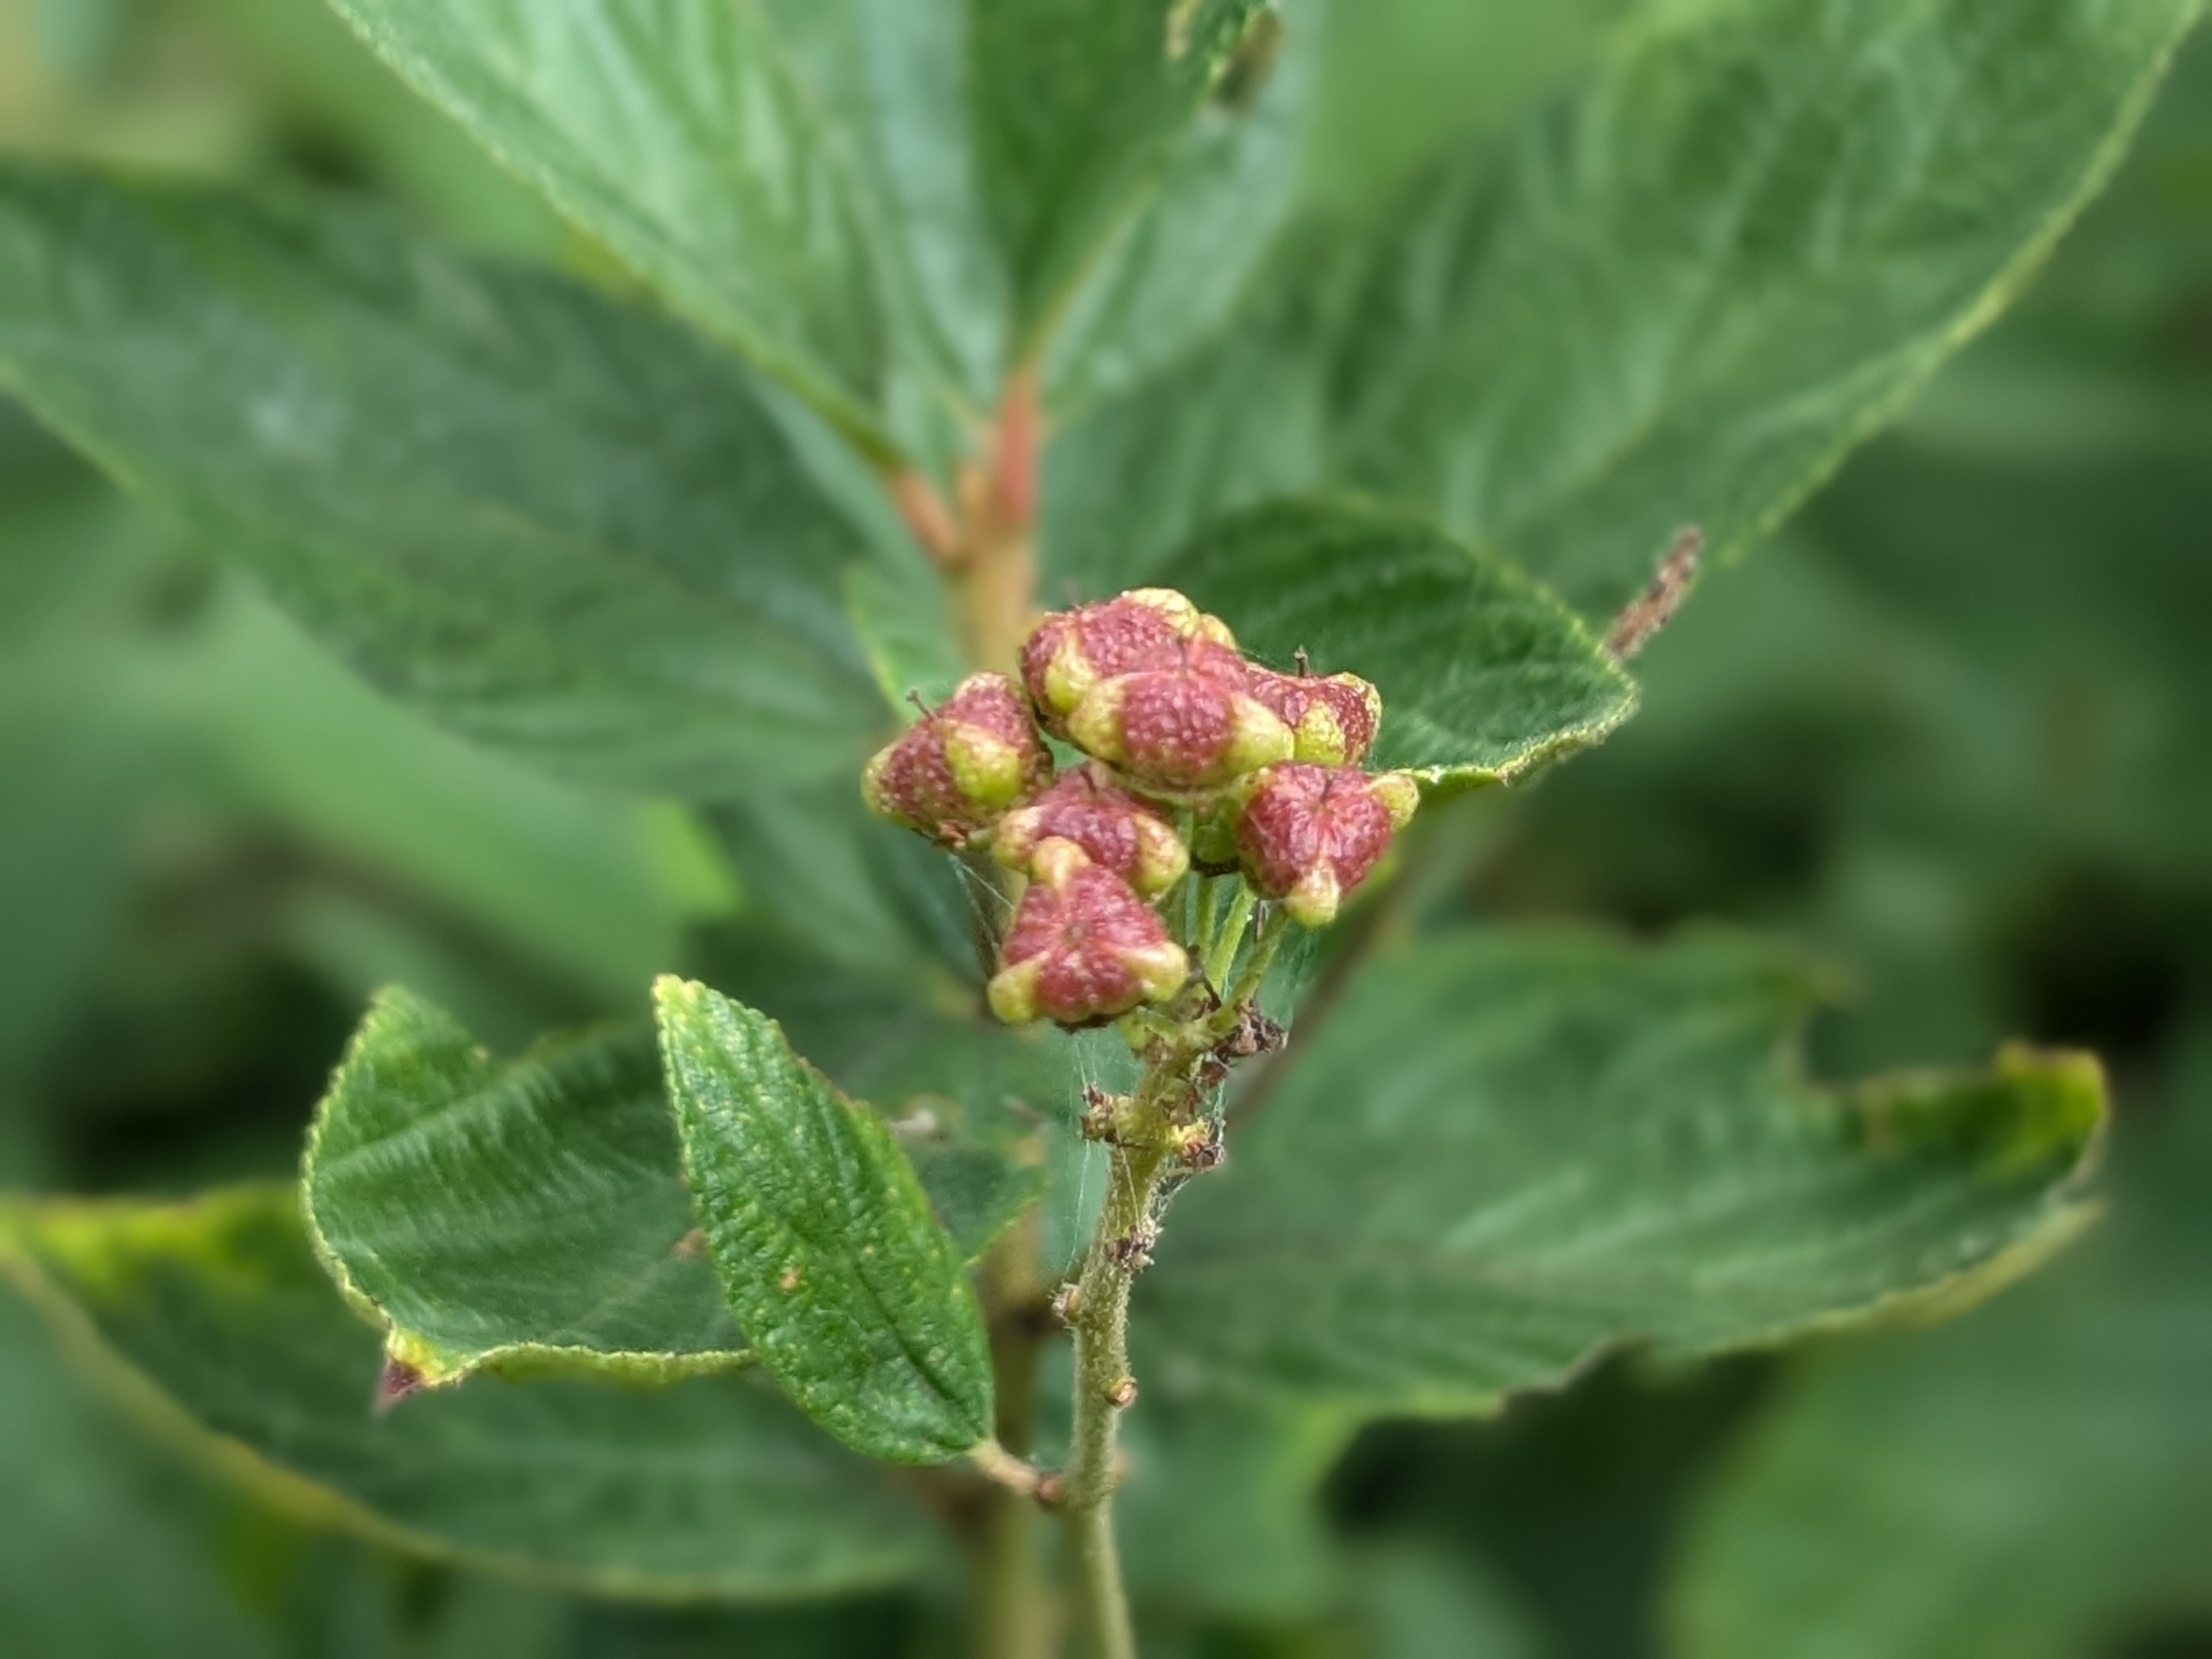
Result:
[
  {"x": 1083, "y": 948},
  {"x": 1116, "y": 831},
  {"x": 1332, "y": 718},
  {"x": 1071, "y": 652},
  {"x": 1188, "y": 727},
  {"x": 954, "y": 771},
  {"x": 1309, "y": 834}
]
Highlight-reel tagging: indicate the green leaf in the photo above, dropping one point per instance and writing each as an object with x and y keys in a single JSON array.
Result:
[
  {"x": 2035, "y": 1483},
  {"x": 1682, "y": 297},
  {"x": 1221, "y": 1512},
  {"x": 823, "y": 1236},
  {"x": 87, "y": 1509},
  {"x": 1686, "y": 297},
  {"x": 1506, "y": 1153},
  {"x": 1483, "y": 675},
  {"x": 530, "y": 1216},
  {"x": 1074, "y": 109},
  {"x": 1181, "y": 260},
  {"x": 461, "y": 476},
  {"x": 524, "y": 1214},
  {"x": 215, "y": 1322},
  {"x": 678, "y": 135}
]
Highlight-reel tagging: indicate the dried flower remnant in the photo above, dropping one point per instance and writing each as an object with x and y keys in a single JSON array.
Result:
[
  {"x": 1084, "y": 948},
  {"x": 956, "y": 769}
]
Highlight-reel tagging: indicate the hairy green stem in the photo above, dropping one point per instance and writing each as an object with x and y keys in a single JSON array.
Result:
[{"x": 1103, "y": 1388}]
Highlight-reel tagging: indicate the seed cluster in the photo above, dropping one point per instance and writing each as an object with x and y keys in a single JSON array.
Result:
[{"x": 1175, "y": 722}]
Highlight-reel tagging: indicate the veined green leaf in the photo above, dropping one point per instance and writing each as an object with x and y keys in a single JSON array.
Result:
[
  {"x": 1686, "y": 295},
  {"x": 1681, "y": 297},
  {"x": 2034, "y": 1482},
  {"x": 468, "y": 479},
  {"x": 678, "y": 133},
  {"x": 1506, "y": 1153},
  {"x": 530, "y": 1216},
  {"x": 1075, "y": 108},
  {"x": 1186, "y": 249},
  {"x": 214, "y": 1321},
  {"x": 1483, "y": 675},
  {"x": 854, "y": 1293},
  {"x": 521, "y": 1215},
  {"x": 88, "y": 1509}
]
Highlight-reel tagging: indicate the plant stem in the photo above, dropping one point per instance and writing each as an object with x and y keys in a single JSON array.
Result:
[
  {"x": 1013, "y": 1607},
  {"x": 1103, "y": 1388},
  {"x": 1222, "y": 955}
]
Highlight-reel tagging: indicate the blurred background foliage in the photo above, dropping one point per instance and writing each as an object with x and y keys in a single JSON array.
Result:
[{"x": 1951, "y": 732}]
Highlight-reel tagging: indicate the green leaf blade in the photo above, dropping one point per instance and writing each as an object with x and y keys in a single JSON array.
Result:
[
  {"x": 525, "y": 1216},
  {"x": 1483, "y": 675},
  {"x": 461, "y": 476},
  {"x": 1074, "y": 110},
  {"x": 679, "y": 135},
  {"x": 1684, "y": 297},
  {"x": 854, "y": 1295},
  {"x": 1509, "y": 1153},
  {"x": 214, "y": 1321}
]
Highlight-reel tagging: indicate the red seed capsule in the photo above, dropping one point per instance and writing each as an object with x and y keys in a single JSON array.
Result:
[
  {"x": 1116, "y": 831},
  {"x": 1189, "y": 727},
  {"x": 1083, "y": 948},
  {"x": 955, "y": 770},
  {"x": 1309, "y": 834},
  {"x": 1070, "y": 651},
  {"x": 1332, "y": 718}
]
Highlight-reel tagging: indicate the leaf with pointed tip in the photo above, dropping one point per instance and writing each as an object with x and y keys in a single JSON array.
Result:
[
  {"x": 853, "y": 1293},
  {"x": 530, "y": 1217},
  {"x": 1681, "y": 295},
  {"x": 461, "y": 476},
  {"x": 214, "y": 1321},
  {"x": 1483, "y": 675},
  {"x": 1508, "y": 1152},
  {"x": 518, "y": 1216},
  {"x": 2029, "y": 1484}
]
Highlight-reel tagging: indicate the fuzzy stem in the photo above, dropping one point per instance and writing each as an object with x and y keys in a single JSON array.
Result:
[{"x": 1102, "y": 1389}]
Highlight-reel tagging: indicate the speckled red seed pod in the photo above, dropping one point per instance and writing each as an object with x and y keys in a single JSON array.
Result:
[
  {"x": 1083, "y": 948},
  {"x": 1332, "y": 718},
  {"x": 1309, "y": 834},
  {"x": 1116, "y": 831},
  {"x": 953, "y": 772},
  {"x": 1189, "y": 727},
  {"x": 1071, "y": 652}
]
